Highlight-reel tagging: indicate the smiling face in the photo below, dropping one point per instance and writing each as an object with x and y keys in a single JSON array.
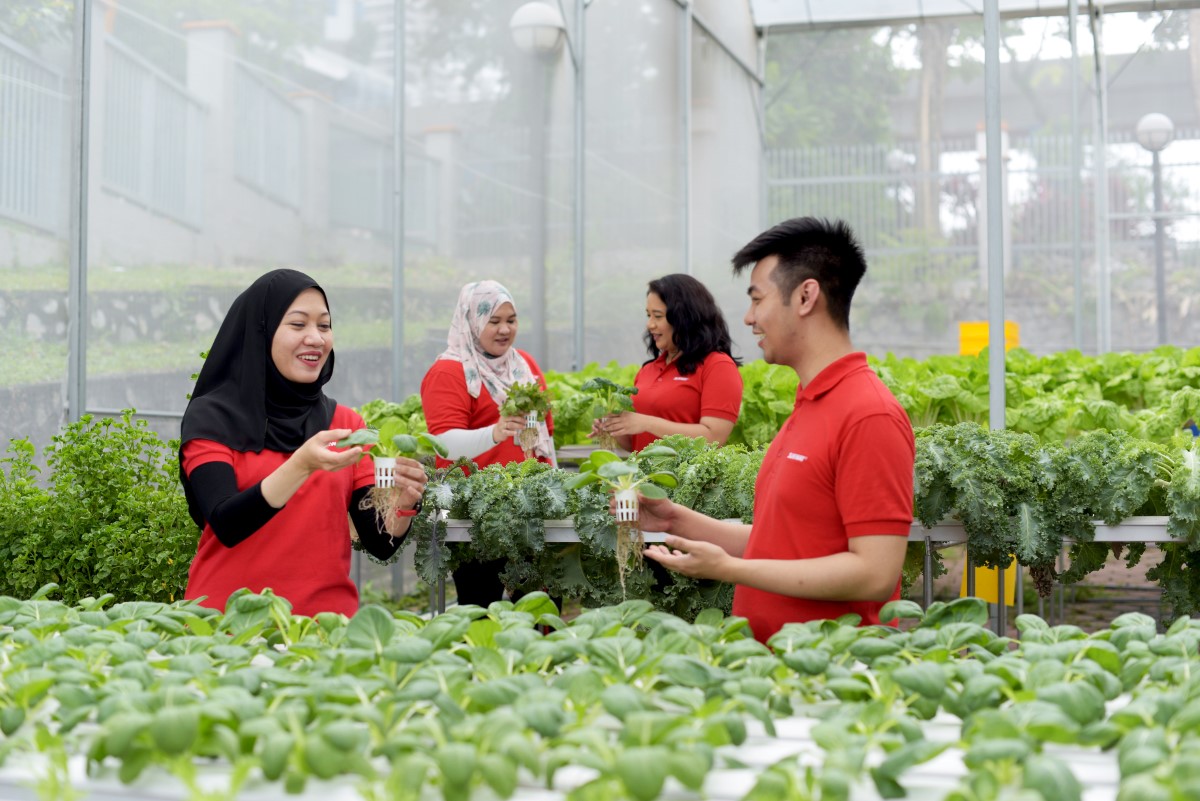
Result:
[
  {"x": 500, "y": 330},
  {"x": 774, "y": 323},
  {"x": 656, "y": 323},
  {"x": 304, "y": 339}
]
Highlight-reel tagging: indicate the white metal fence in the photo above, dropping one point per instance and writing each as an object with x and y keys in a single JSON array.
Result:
[
  {"x": 153, "y": 138},
  {"x": 360, "y": 189},
  {"x": 269, "y": 137},
  {"x": 926, "y": 225},
  {"x": 33, "y": 104}
]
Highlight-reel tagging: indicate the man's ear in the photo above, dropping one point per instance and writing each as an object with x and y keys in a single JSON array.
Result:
[{"x": 806, "y": 296}]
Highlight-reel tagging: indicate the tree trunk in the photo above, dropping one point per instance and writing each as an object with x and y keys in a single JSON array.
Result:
[{"x": 934, "y": 40}]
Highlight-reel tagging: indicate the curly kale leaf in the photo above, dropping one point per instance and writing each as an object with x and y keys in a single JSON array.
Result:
[
  {"x": 986, "y": 478},
  {"x": 1183, "y": 497},
  {"x": 719, "y": 482},
  {"x": 933, "y": 471}
]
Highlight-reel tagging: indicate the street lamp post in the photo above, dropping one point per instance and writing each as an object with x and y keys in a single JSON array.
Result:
[
  {"x": 1154, "y": 132},
  {"x": 538, "y": 30}
]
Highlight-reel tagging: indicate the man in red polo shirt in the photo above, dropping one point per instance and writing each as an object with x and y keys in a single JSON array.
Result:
[{"x": 833, "y": 499}]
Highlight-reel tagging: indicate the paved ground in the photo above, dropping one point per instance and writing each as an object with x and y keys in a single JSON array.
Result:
[{"x": 1091, "y": 604}]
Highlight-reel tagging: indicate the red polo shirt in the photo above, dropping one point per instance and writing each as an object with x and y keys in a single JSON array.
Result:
[
  {"x": 713, "y": 390},
  {"x": 449, "y": 406},
  {"x": 841, "y": 467},
  {"x": 303, "y": 552}
]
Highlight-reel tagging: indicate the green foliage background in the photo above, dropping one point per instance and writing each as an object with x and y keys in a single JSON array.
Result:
[{"x": 110, "y": 518}]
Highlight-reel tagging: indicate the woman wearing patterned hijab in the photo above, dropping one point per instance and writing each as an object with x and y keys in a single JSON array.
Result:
[
  {"x": 462, "y": 394},
  {"x": 263, "y": 484}
]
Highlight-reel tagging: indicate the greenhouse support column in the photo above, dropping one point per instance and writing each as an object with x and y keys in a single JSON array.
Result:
[
  {"x": 761, "y": 106},
  {"x": 399, "y": 98},
  {"x": 685, "y": 101},
  {"x": 995, "y": 245},
  {"x": 1100, "y": 171},
  {"x": 578, "y": 57},
  {"x": 398, "y": 233},
  {"x": 1160, "y": 278},
  {"x": 77, "y": 279},
  {"x": 1076, "y": 169},
  {"x": 534, "y": 319}
]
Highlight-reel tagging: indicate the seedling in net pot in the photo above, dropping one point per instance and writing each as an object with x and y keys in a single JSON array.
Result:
[
  {"x": 532, "y": 402},
  {"x": 425, "y": 448},
  {"x": 609, "y": 398},
  {"x": 625, "y": 479}
]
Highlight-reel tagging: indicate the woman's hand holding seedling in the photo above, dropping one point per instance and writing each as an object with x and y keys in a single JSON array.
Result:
[
  {"x": 625, "y": 424},
  {"x": 410, "y": 479},
  {"x": 507, "y": 427},
  {"x": 316, "y": 454}
]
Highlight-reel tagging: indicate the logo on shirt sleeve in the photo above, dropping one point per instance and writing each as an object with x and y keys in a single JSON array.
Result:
[{"x": 797, "y": 457}]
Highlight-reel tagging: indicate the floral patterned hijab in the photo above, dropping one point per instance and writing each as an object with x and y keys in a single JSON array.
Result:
[{"x": 477, "y": 302}]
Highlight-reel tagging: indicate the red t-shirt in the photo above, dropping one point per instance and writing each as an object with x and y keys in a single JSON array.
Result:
[
  {"x": 841, "y": 467},
  {"x": 303, "y": 552},
  {"x": 713, "y": 390},
  {"x": 449, "y": 406}
]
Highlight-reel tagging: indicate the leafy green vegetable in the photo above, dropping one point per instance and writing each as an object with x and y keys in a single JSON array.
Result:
[{"x": 524, "y": 398}]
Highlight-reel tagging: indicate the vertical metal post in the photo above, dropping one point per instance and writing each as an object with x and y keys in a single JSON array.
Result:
[
  {"x": 995, "y": 244},
  {"x": 1020, "y": 609},
  {"x": 763, "y": 192},
  {"x": 686, "y": 107},
  {"x": 580, "y": 60},
  {"x": 399, "y": 96},
  {"x": 398, "y": 578},
  {"x": 1100, "y": 170},
  {"x": 1160, "y": 277},
  {"x": 535, "y": 315},
  {"x": 927, "y": 594},
  {"x": 1076, "y": 169},
  {"x": 80, "y": 165}
]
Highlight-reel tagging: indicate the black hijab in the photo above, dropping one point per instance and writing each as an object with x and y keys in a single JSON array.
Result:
[{"x": 241, "y": 400}]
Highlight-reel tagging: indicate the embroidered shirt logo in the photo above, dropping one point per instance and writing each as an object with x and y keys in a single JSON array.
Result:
[
  {"x": 681, "y": 378},
  {"x": 797, "y": 457}
]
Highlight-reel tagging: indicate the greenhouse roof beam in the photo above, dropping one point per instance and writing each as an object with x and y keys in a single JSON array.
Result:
[{"x": 807, "y": 15}]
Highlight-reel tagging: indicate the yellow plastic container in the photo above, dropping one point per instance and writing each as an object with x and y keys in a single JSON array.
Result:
[
  {"x": 987, "y": 584},
  {"x": 973, "y": 337}
]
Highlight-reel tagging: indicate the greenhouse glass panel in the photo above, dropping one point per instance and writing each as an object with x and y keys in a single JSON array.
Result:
[{"x": 38, "y": 106}]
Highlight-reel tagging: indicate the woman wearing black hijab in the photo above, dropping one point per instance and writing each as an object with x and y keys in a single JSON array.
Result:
[{"x": 268, "y": 492}]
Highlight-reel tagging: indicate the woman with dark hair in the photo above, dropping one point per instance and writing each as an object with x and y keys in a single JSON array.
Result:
[
  {"x": 690, "y": 385},
  {"x": 261, "y": 475}
]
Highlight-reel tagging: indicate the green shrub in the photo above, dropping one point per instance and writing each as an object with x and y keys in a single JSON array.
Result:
[{"x": 111, "y": 518}]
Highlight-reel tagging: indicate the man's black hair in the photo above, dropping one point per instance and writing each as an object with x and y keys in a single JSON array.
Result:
[
  {"x": 810, "y": 247},
  {"x": 697, "y": 325}
]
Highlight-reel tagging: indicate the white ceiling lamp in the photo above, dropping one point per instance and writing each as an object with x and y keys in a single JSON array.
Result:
[{"x": 538, "y": 29}]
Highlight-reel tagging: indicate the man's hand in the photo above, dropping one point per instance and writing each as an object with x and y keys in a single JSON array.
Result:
[
  {"x": 654, "y": 514},
  {"x": 692, "y": 558}
]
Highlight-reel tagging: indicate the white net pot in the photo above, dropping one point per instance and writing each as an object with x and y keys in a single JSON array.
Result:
[
  {"x": 385, "y": 471},
  {"x": 531, "y": 421},
  {"x": 626, "y": 507}
]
